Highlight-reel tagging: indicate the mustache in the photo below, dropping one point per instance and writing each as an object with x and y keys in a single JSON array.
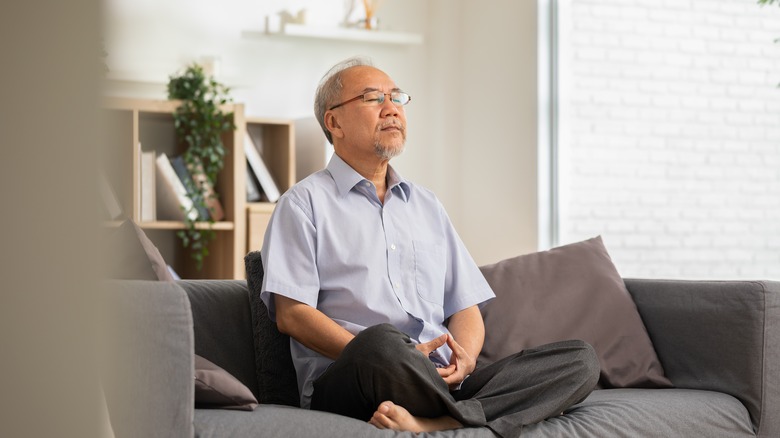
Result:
[{"x": 392, "y": 124}]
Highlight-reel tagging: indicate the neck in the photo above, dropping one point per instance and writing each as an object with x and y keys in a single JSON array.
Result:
[{"x": 374, "y": 170}]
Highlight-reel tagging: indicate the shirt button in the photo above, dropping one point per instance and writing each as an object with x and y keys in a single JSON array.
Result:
[
  {"x": 392, "y": 246},
  {"x": 397, "y": 285},
  {"x": 367, "y": 184}
]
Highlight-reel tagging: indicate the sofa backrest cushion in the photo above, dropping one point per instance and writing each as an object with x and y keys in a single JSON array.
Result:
[
  {"x": 570, "y": 292},
  {"x": 223, "y": 327},
  {"x": 718, "y": 336},
  {"x": 275, "y": 369}
]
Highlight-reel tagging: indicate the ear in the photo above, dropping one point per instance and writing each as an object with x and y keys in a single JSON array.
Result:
[{"x": 332, "y": 123}]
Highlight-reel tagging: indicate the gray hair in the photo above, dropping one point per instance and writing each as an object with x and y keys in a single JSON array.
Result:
[{"x": 329, "y": 89}]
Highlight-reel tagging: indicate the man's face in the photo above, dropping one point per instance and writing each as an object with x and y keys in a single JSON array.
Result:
[{"x": 367, "y": 128}]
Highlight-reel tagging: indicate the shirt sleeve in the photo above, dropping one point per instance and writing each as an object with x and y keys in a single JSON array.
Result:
[{"x": 289, "y": 257}]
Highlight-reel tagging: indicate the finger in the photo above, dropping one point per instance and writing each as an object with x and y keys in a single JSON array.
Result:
[
  {"x": 428, "y": 347},
  {"x": 447, "y": 371},
  {"x": 457, "y": 352},
  {"x": 454, "y": 346},
  {"x": 454, "y": 378},
  {"x": 438, "y": 341}
]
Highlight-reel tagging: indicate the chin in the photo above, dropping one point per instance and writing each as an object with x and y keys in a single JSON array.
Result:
[{"x": 388, "y": 152}]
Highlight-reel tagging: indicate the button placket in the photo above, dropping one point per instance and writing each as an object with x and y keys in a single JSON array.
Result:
[{"x": 393, "y": 255}]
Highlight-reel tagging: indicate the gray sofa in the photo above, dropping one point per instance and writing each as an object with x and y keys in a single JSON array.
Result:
[{"x": 719, "y": 343}]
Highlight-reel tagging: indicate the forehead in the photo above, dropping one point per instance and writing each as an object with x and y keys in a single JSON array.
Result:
[{"x": 357, "y": 79}]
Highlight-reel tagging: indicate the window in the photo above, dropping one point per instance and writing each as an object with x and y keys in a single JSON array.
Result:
[{"x": 668, "y": 135}]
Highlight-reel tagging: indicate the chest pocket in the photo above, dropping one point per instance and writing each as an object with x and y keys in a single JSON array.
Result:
[{"x": 429, "y": 271}]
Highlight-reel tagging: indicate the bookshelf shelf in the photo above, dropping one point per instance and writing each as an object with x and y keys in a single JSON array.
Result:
[{"x": 176, "y": 225}]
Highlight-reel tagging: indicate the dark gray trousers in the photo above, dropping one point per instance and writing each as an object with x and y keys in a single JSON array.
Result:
[{"x": 382, "y": 363}]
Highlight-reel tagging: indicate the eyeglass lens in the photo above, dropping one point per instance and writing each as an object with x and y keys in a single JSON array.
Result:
[{"x": 398, "y": 98}]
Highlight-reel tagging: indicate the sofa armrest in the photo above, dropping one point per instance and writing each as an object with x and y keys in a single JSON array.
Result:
[
  {"x": 718, "y": 335},
  {"x": 149, "y": 366}
]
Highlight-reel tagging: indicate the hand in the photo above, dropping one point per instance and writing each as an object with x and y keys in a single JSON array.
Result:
[
  {"x": 428, "y": 347},
  {"x": 461, "y": 364}
]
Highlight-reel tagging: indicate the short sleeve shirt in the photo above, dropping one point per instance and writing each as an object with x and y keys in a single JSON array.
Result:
[{"x": 333, "y": 245}]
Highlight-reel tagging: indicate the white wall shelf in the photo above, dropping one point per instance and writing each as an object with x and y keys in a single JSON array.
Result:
[{"x": 340, "y": 33}]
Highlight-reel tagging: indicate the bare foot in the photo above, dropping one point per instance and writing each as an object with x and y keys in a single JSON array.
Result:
[{"x": 392, "y": 416}]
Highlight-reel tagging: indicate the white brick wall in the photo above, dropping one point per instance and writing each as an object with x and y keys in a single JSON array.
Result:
[{"x": 670, "y": 135}]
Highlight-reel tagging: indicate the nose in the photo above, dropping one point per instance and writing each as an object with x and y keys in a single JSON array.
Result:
[{"x": 389, "y": 109}]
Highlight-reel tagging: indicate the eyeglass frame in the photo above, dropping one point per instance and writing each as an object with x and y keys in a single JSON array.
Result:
[{"x": 374, "y": 91}]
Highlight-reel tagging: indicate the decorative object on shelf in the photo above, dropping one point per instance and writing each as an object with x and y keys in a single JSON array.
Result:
[
  {"x": 287, "y": 17},
  {"x": 371, "y": 6},
  {"x": 353, "y": 19},
  {"x": 200, "y": 123}
]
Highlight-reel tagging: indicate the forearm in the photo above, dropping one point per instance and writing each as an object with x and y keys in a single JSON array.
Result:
[
  {"x": 310, "y": 327},
  {"x": 468, "y": 329}
]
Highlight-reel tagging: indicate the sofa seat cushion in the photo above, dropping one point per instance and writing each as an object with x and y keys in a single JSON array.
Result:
[
  {"x": 649, "y": 413},
  {"x": 292, "y": 422},
  {"x": 605, "y": 413}
]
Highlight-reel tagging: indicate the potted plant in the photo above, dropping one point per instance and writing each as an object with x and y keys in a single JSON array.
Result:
[{"x": 200, "y": 122}]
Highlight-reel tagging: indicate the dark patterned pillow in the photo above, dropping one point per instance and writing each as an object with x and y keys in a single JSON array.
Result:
[{"x": 275, "y": 369}]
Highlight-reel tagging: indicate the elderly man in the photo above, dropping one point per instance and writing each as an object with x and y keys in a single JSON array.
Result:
[{"x": 367, "y": 275}]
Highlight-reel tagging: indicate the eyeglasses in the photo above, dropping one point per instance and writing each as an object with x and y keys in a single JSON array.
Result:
[{"x": 399, "y": 98}]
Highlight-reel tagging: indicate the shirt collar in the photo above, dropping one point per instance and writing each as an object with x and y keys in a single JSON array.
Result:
[{"x": 346, "y": 178}]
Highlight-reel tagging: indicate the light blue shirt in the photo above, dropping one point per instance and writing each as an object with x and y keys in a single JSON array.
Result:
[{"x": 333, "y": 245}]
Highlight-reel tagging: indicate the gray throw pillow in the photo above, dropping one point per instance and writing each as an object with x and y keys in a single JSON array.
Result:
[
  {"x": 132, "y": 256},
  {"x": 570, "y": 292},
  {"x": 215, "y": 388}
]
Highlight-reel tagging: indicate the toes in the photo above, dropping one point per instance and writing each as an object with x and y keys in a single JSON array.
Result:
[
  {"x": 380, "y": 421},
  {"x": 385, "y": 407},
  {"x": 382, "y": 417},
  {"x": 376, "y": 422}
]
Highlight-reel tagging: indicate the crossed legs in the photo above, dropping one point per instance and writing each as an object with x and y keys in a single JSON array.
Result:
[{"x": 382, "y": 378}]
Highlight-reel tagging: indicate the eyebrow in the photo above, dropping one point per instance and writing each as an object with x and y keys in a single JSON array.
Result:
[{"x": 368, "y": 89}]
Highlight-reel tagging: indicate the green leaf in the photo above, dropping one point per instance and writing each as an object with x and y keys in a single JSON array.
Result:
[{"x": 199, "y": 123}]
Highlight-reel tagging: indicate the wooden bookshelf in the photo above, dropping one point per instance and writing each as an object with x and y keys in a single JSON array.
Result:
[{"x": 148, "y": 124}]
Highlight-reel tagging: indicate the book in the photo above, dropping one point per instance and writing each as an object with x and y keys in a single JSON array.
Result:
[
  {"x": 180, "y": 167},
  {"x": 111, "y": 206},
  {"x": 173, "y": 203},
  {"x": 260, "y": 170},
  {"x": 215, "y": 209},
  {"x": 252, "y": 189},
  {"x": 148, "y": 187}
]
